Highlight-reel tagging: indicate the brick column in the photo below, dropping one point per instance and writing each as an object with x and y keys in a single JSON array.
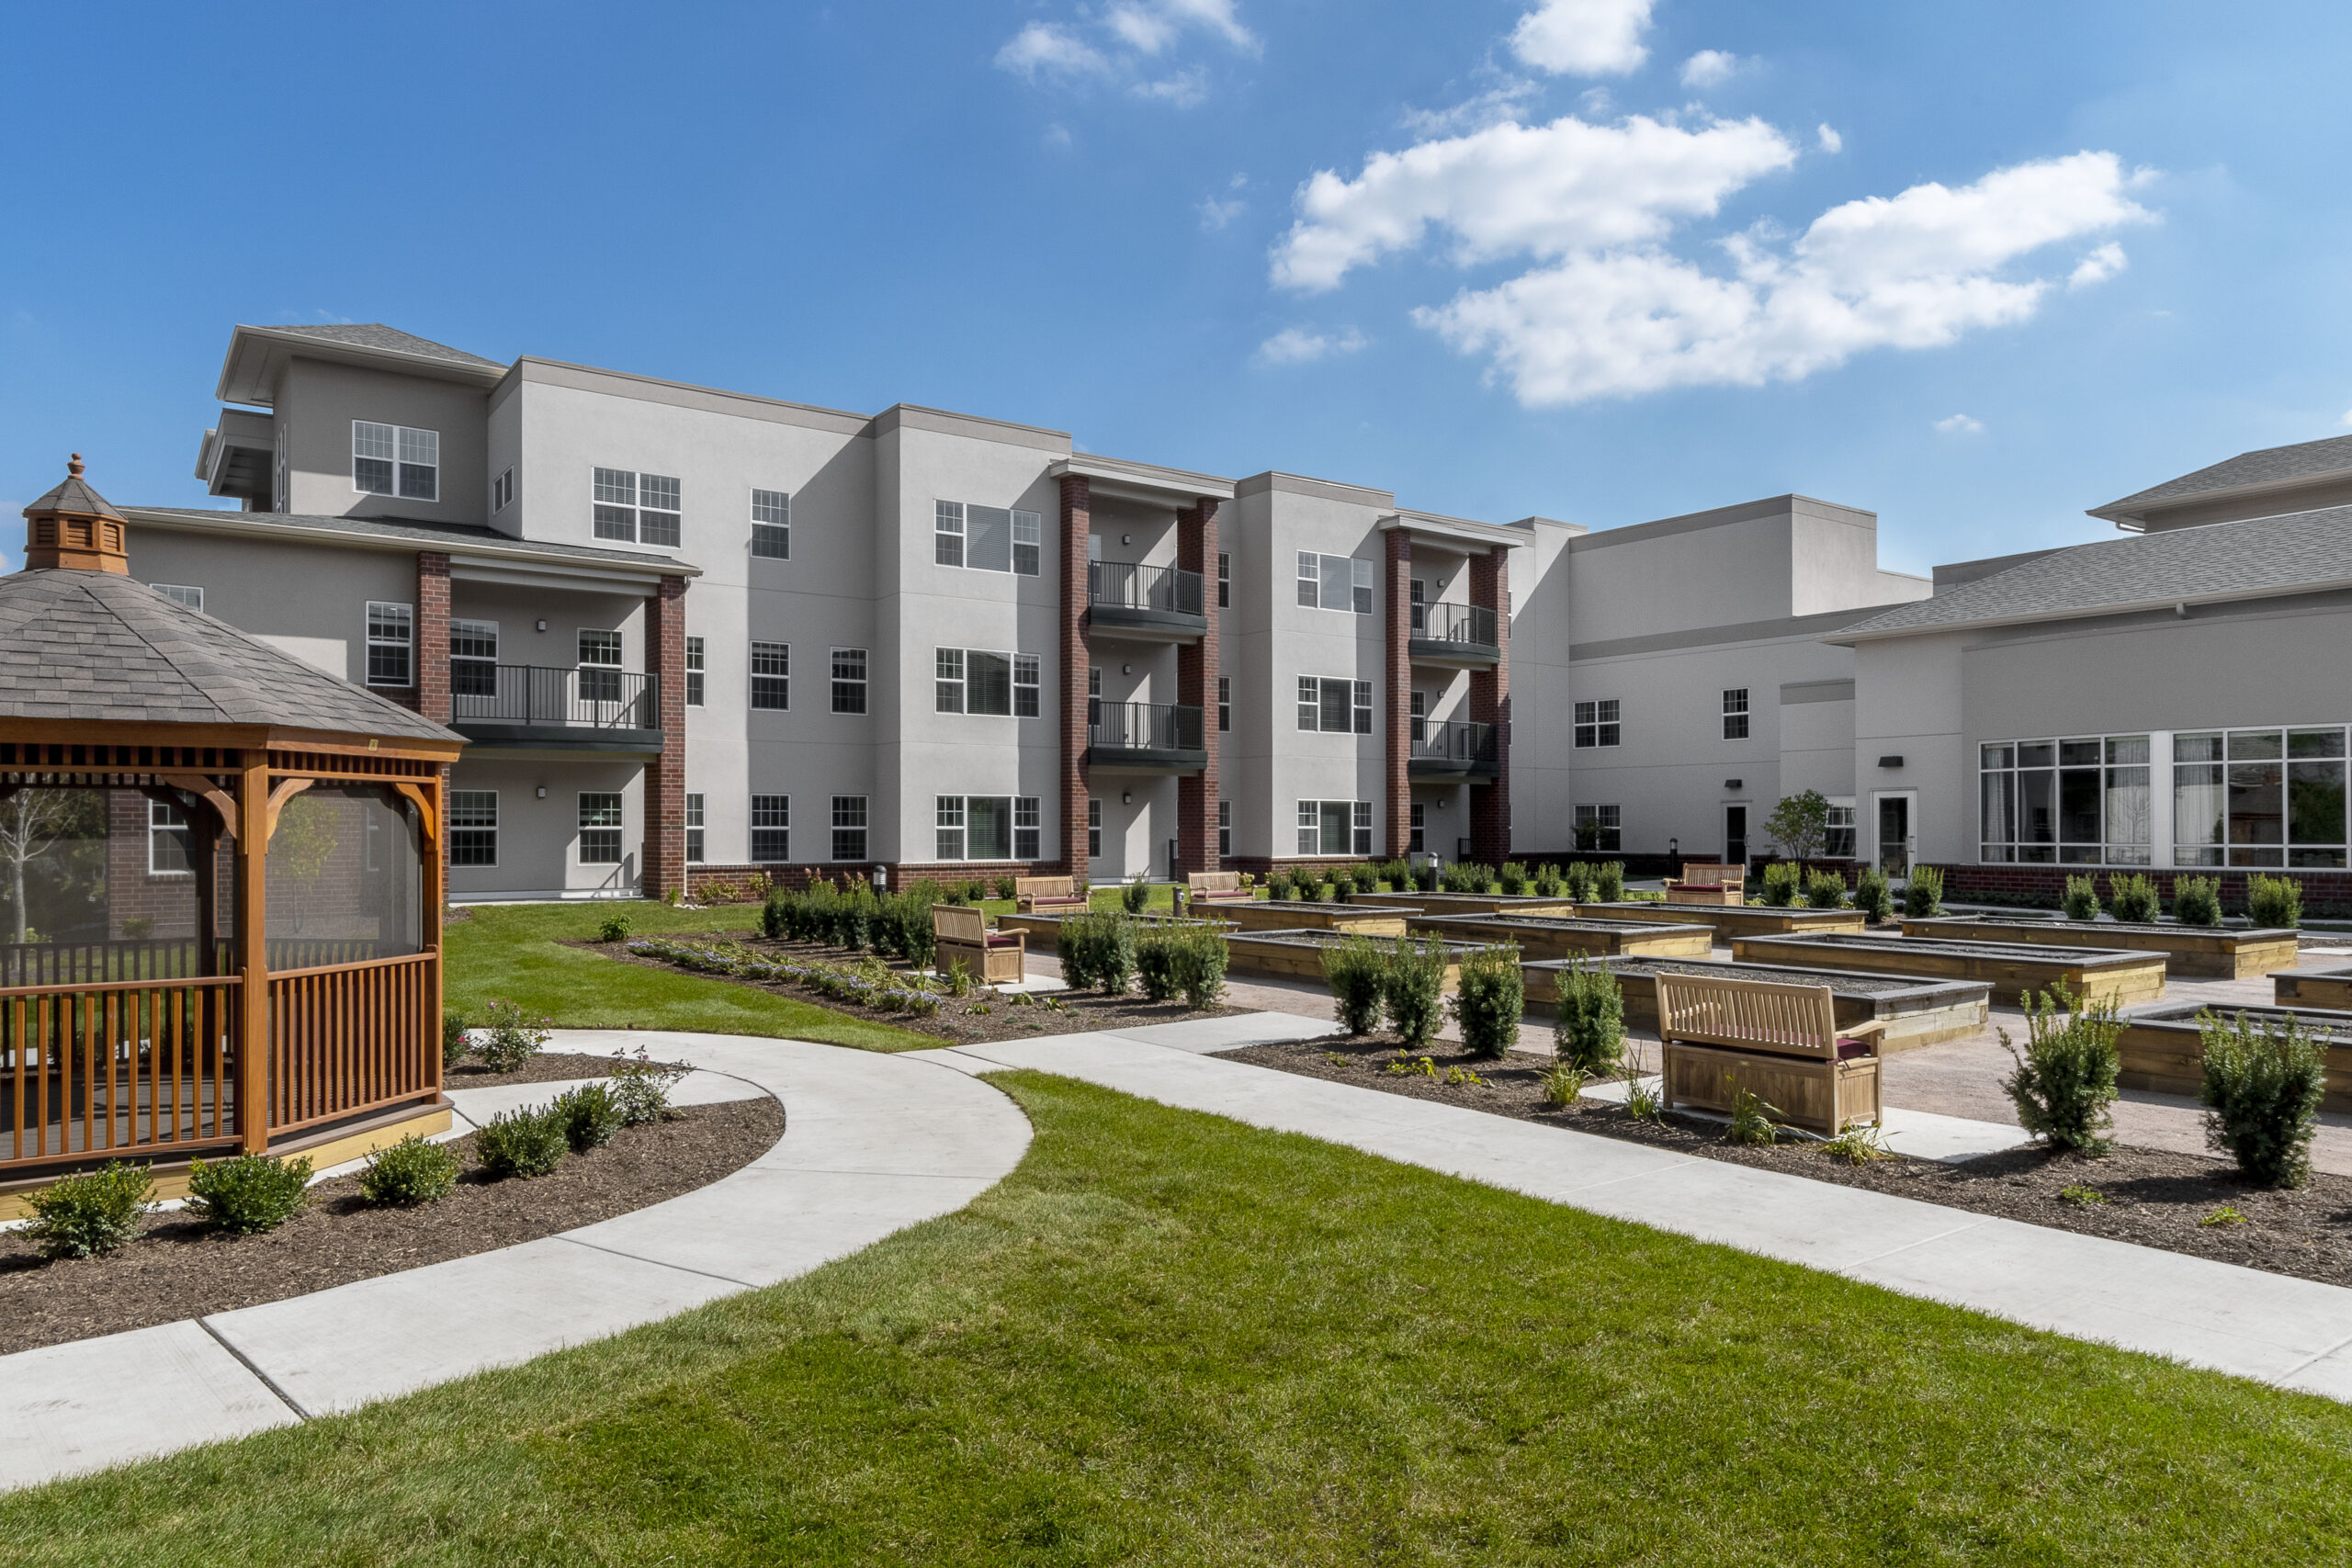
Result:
[
  {"x": 1196, "y": 673},
  {"x": 1490, "y": 704},
  {"x": 1076, "y": 524},
  {"x": 433, "y": 665},
  {"x": 665, "y": 779},
  {"x": 1398, "y": 676}
]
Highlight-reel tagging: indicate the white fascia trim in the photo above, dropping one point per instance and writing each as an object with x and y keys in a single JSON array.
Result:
[
  {"x": 1145, "y": 478},
  {"x": 2089, "y": 611}
]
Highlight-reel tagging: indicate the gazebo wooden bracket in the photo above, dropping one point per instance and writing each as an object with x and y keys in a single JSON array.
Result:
[
  {"x": 424, "y": 811},
  {"x": 212, "y": 793},
  {"x": 282, "y": 792}
]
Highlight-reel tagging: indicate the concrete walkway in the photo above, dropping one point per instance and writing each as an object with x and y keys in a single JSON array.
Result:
[
  {"x": 872, "y": 1144},
  {"x": 2293, "y": 1332}
]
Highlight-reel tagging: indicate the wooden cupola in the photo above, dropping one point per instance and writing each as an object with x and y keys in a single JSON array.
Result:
[{"x": 72, "y": 528}]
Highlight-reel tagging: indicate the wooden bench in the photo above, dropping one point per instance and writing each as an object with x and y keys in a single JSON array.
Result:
[
  {"x": 1781, "y": 1042},
  {"x": 1708, "y": 882},
  {"x": 960, "y": 932},
  {"x": 1217, "y": 887},
  {"x": 1031, "y": 894}
]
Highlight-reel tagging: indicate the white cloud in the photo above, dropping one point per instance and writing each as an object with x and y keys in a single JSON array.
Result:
[
  {"x": 1546, "y": 190},
  {"x": 1492, "y": 106},
  {"x": 1216, "y": 213},
  {"x": 1583, "y": 38},
  {"x": 1184, "y": 89},
  {"x": 2347, "y": 420},
  {"x": 1830, "y": 141},
  {"x": 1044, "y": 47},
  {"x": 1123, "y": 38},
  {"x": 1959, "y": 425},
  {"x": 2099, "y": 266},
  {"x": 1296, "y": 346},
  {"x": 1709, "y": 68},
  {"x": 1917, "y": 270}
]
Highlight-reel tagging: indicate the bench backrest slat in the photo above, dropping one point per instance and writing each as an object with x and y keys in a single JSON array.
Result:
[
  {"x": 1214, "y": 881},
  {"x": 1762, "y": 1015},
  {"x": 958, "y": 922},
  {"x": 1706, "y": 873},
  {"x": 1042, "y": 886}
]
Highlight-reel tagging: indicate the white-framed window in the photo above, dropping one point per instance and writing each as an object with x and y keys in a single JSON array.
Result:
[
  {"x": 1225, "y": 830},
  {"x": 1093, "y": 829},
  {"x": 473, "y": 827},
  {"x": 1334, "y": 582},
  {"x": 1225, "y": 703},
  {"x": 947, "y": 815},
  {"x": 947, "y": 679},
  {"x": 849, "y": 827},
  {"x": 391, "y": 459},
  {"x": 1419, "y": 604},
  {"x": 1600, "y": 825},
  {"x": 2083, "y": 800},
  {"x": 771, "y": 828},
  {"x": 982, "y": 681},
  {"x": 2246, "y": 797},
  {"x": 600, "y": 666},
  {"x": 986, "y": 826},
  {"x": 640, "y": 508},
  {"x": 473, "y": 659},
  {"x": 1025, "y": 820},
  {"x": 694, "y": 829},
  {"x": 1736, "y": 714},
  {"x": 502, "y": 489},
  {"x": 695, "y": 670},
  {"x": 1025, "y": 685},
  {"x": 1335, "y": 827},
  {"x": 600, "y": 828},
  {"x": 1334, "y": 706},
  {"x": 1597, "y": 723},
  {"x": 849, "y": 680},
  {"x": 771, "y": 525},
  {"x": 1417, "y": 832},
  {"x": 1420, "y": 716},
  {"x": 1839, "y": 843},
  {"x": 391, "y": 644},
  {"x": 181, "y": 592},
  {"x": 171, "y": 852},
  {"x": 772, "y": 676},
  {"x": 985, "y": 538},
  {"x": 1224, "y": 579}
]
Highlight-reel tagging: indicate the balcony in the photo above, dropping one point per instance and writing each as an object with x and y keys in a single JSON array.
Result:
[
  {"x": 1461, "y": 636},
  {"x": 588, "y": 708},
  {"x": 1143, "y": 738},
  {"x": 1453, "y": 750},
  {"x": 1149, "y": 603}
]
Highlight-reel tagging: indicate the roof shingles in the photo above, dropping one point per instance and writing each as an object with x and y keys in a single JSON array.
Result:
[
  {"x": 376, "y": 334},
  {"x": 2272, "y": 464}
]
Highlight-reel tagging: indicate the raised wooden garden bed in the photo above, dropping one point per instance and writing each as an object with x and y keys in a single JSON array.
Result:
[
  {"x": 1295, "y": 914},
  {"x": 1543, "y": 936},
  {"x": 2204, "y": 952},
  {"x": 1043, "y": 926},
  {"x": 1470, "y": 903},
  {"x": 2163, "y": 1050},
  {"x": 1729, "y": 921},
  {"x": 2328, "y": 986},
  {"x": 1916, "y": 1012},
  {"x": 1298, "y": 954},
  {"x": 2012, "y": 969}
]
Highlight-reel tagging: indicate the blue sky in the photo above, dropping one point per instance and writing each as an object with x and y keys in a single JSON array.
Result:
[{"x": 1974, "y": 268}]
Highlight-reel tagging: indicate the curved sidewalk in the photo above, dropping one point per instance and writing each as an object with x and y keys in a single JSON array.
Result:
[{"x": 871, "y": 1143}]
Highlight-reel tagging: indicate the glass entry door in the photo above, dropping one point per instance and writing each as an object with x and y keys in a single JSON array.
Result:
[
  {"x": 1734, "y": 835},
  {"x": 1897, "y": 841}
]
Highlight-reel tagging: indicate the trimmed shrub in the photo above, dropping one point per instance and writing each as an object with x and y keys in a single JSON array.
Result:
[
  {"x": 2064, "y": 1080},
  {"x": 590, "y": 1114},
  {"x": 640, "y": 1087},
  {"x": 511, "y": 1040},
  {"x": 1412, "y": 989},
  {"x": 1356, "y": 969},
  {"x": 2274, "y": 901},
  {"x": 772, "y": 915},
  {"x": 1825, "y": 890},
  {"x": 523, "y": 1143},
  {"x": 250, "y": 1194},
  {"x": 2080, "y": 901},
  {"x": 616, "y": 928},
  {"x": 1098, "y": 950},
  {"x": 92, "y": 1213},
  {"x": 1590, "y": 1033},
  {"x": 1156, "y": 964},
  {"x": 1513, "y": 877},
  {"x": 1872, "y": 896},
  {"x": 1398, "y": 875},
  {"x": 1135, "y": 895},
  {"x": 1924, "y": 895},
  {"x": 1202, "y": 958},
  {"x": 1278, "y": 885},
  {"x": 1549, "y": 883},
  {"x": 2133, "y": 899},
  {"x": 1582, "y": 883},
  {"x": 1608, "y": 882},
  {"x": 2261, "y": 1093},
  {"x": 1366, "y": 879},
  {"x": 1457, "y": 878},
  {"x": 1781, "y": 880},
  {"x": 1005, "y": 888},
  {"x": 410, "y": 1171},
  {"x": 2196, "y": 901},
  {"x": 1490, "y": 1001},
  {"x": 453, "y": 1039}
]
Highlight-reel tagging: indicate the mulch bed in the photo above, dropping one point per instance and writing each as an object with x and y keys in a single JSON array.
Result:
[
  {"x": 181, "y": 1269},
  {"x": 2154, "y": 1198},
  {"x": 959, "y": 1019}
]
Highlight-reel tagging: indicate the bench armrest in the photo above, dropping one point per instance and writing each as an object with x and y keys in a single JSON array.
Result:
[{"x": 1875, "y": 1026}]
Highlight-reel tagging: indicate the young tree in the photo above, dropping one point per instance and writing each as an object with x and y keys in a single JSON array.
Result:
[
  {"x": 33, "y": 823},
  {"x": 1800, "y": 824}
]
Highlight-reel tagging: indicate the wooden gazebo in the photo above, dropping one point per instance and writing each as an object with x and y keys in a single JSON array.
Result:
[{"x": 219, "y": 880}]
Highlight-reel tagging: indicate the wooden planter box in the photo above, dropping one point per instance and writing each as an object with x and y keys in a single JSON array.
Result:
[
  {"x": 2327, "y": 987},
  {"x": 1044, "y": 928},
  {"x": 1729, "y": 921},
  {"x": 2012, "y": 969},
  {"x": 1470, "y": 903},
  {"x": 1291, "y": 914},
  {"x": 2204, "y": 952},
  {"x": 1543, "y": 937},
  {"x": 2162, "y": 1050},
  {"x": 1298, "y": 954},
  {"x": 1916, "y": 1012}
]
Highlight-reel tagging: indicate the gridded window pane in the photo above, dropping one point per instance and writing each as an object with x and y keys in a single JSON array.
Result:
[
  {"x": 1363, "y": 825},
  {"x": 1310, "y": 578},
  {"x": 2315, "y": 784},
  {"x": 948, "y": 826},
  {"x": 695, "y": 670},
  {"x": 1335, "y": 705},
  {"x": 600, "y": 667},
  {"x": 600, "y": 828},
  {"x": 390, "y": 629},
  {"x": 849, "y": 680},
  {"x": 947, "y": 537},
  {"x": 849, "y": 827},
  {"x": 1024, "y": 827},
  {"x": 1363, "y": 707},
  {"x": 420, "y": 465},
  {"x": 771, "y": 525},
  {"x": 1028, "y": 530},
  {"x": 1225, "y": 830},
  {"x": 473, "y": 827},
  {"x": 1310, "y": 827},
  {"x": 657, "y": 517},
  {"x": 772, "y": 675},
  {"x": 1339, "y": 578},
  {"x": 1336, "y": 822},
  {"x": 1736, "y": 714},
  {"x": 771, "y": 828},
  {"x": 947, "y": 679},
  {"x": 1224, "y": 579},
  {"x": 1225, "y": 701},
  {"x": 1360, "y": 582},
  {"x": 170, "y": 852},
  {"x": 615, "y": 523},
  {"x": 617, "y": 486},
  {"x": 1093, "y": 829},
  {"x": 473, "y": 659},
  {"x": 1310, "y": 703},
  {"x": 987, "y": 682},
  {"x": 988, "y": 828},
  {"x": 1025, "y": 685},
  {"x": 1600, "y": 825},
  {"x": 1839, "y": 843},
  {"x": 374, "y": 449},
  {"x": 987, "y": 538},
  {"x": 694, "y": 829}
]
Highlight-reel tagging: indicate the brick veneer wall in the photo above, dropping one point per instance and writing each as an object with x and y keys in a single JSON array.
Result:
[
  {"x": 1490, "y": 704},
  {"x": 1077, "y": 524},
  {"x": 1397, "y": 776},
  {"x": 1196, "y": 673},
  {"x": 2324, "y": 891},
  {"x": 433, "y": 663},
  {"x": 665, "y": 777},
  {"x": 699, "y": 878}
]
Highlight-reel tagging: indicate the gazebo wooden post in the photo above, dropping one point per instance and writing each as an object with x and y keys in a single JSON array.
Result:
[
  {"x": 436, "y": 823},
  {"x": 253, "y": 951}
]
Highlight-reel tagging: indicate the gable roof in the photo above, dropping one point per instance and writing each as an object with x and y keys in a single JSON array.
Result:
[
  {"x": 376, "y": 334},
  {"x": 96, "y": 644},
  {"x": 470, "y": 538},
  {"x": 2254, "y": 470},
  {"x": 2300, "y": 552}
]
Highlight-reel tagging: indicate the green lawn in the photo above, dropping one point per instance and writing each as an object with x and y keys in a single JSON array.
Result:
[
  {"x": 1170, "y": 1340},
  {"x": 510, "y": 951}
]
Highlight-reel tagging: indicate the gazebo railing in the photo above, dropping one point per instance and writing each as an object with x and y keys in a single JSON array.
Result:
[
  {"x": 162, "y": 958},
  {"x": 351, "y": 1038},
  {"x": 141, "y": 1068}
]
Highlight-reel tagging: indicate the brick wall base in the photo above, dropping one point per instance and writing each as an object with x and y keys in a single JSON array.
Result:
[
  {"x": 738, "y": 879},
  {"x": 2324, "y": 892}
]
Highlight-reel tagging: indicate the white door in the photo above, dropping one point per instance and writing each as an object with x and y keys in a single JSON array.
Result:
[{"x": 1895, "y": 816}]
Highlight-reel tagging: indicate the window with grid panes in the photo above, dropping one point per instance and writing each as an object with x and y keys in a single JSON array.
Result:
[
  {"x": 171, "y": 852},
  {"x": 1225, "y": 701},
  {"x": 849, "y": 827},
  {"x": 473, "y": 659},
  {"x": 849, "y": 680},
  {"x": 772, "y": 676},
  {"x": 771, "y": 828},
  {"x": 2077, "y": 801},
  {"x": 1736, "y": 714},
  {"x": 1597, "y": 723},
  {"x": 771, "y": 525},
  {"x": 391, "y": 459},
  {"x": 640, "y": 508},
  {"x": 1224, "y": 579},
  {"x": 695, "y": 671},
  {"x": 1599, "y": 823},
  {"x": 694, "y": 829},
  {"x": 473, "y": 827},
  {"x": 1334, "y": 582},
  {"x": 1093, "y": 829},
  {"x": 1025, "y": 820},
  {"x": 600, "y": 667},
  {"x": 391, "y": 634},
  {"x": 600, "y": 828},
  {"x": 1225, "y": 830}
]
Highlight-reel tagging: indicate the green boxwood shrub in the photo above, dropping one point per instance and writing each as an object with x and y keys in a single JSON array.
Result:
[
  {"x": 250, "y": 1194},
  {"x": 2274, "y": 901},
  {"x": 616, "y": 928},
  {"x": 2132, "y": 898},
  {"x": 1134, "y": 894},
  {"x": 1549, "y": 883},
  {"x": 641, "y": 1085},
  {"x": 1490, "y": 1000},
  {"x": 410, "y": 1171},
  {"x": 1872, "y": 896},
  {"x": 523, "y": 1143},
  {"x": 1366, "y": 879},
  {"x": 453, "y": 1039},
  {"x": 1005, "y": 888},
  {"x": 2080, "y": 901},
  {"x": 90, "y": 1215},
  {"x": 511, "y": 1038},
  {"x": 1513, "y": 878},
  {"x": 590, "y": 1116},
  {"x": 1608, "y": 882},
  {"x": 1156, "y": 964},
  {"x": 1924, "y": 896},
  {"x": 1412, "y": 988},
  {"x": 2065, "y": 1081},
  {"x": 1398, "y": 875},
  {"x": 1201, "y": 958},
  {"x": 1825, "y": 890},
  {"x": 1582, "y": 883},
  {"x": 1356, "y": 968},
  {"x": 1781, "y": 880},
  {"x": 2196, "y": 901},
  {"x": 1589, "y": 1032},
  {"x": 1098, "y": 950},
  {"x": 1278, "y": 885},
  {"x": 2261, "y": 1093}
]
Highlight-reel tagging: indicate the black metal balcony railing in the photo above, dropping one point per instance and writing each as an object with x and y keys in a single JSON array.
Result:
[
  {"x": 1462, "y": 744},
  {"x": 1142, "y": 727},
  {"x": 1462, "y": 624},
  {"x": 1121, "y": 585},
  {"x": 587, "y": 697}
]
